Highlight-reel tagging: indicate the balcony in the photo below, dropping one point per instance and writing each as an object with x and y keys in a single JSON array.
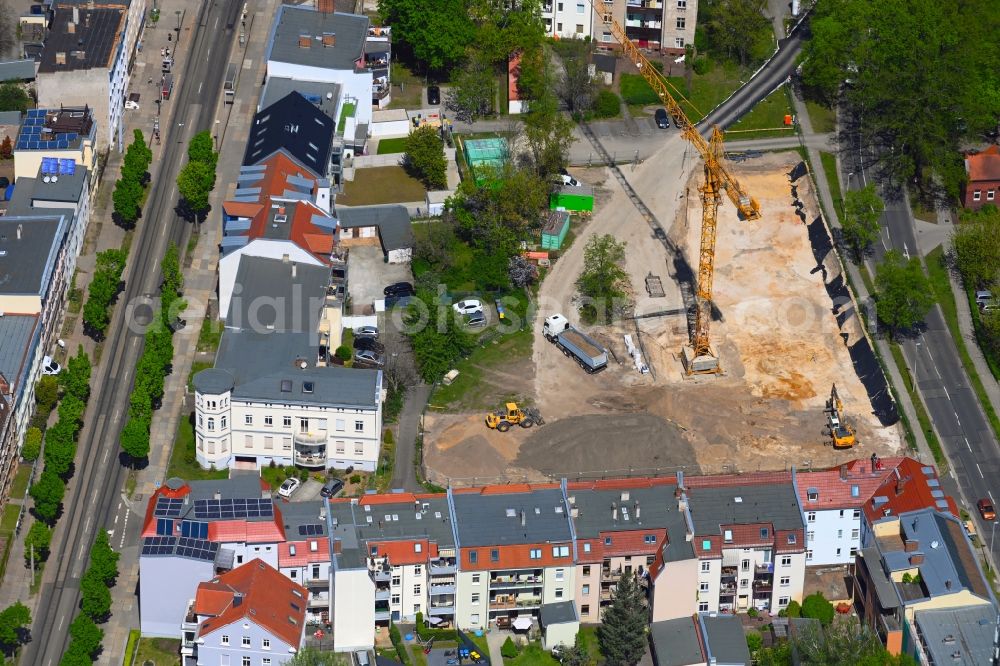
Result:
[
  {"x": 381, "y": 574},
  {"x": 610, "y": 574},
  {"x": 505, "y": 603},
  {"x": 441, "y": 609},
  {"x": 380, "y": 91},
  {"x": 515, "y": 581},
  {"x": 310, "y": 455},
  {"x": 438, "y": 590},
  {"x": 727, "y": 589},
  {"x": 443, "y": 568},
  {"x": 547, "y": 8},
  {"x": 729, "y": 572},
  {"x": 641, "y": 5},
  {"x": 382, "y": 594},
  {"x": 383, "y": 615},
  {"x": 764, "y": 568},
  {"x": 310, "y": 437},
  {"x": 319, "y": 599}
]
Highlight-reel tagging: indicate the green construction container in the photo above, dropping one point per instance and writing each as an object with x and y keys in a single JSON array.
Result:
[
  {"x": 555, "y": 230},
  {"x": 578, "y": 199}
]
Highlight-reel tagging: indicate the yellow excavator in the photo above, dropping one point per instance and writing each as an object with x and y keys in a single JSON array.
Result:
[
  {"x": 503, "y": 419},
  {"x": 841, "y": 433}
]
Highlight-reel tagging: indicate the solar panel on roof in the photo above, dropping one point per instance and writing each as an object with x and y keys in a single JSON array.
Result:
[
  {"x": 311, "y": 530},
  {"x": 63, "y": 144},
  {"x": 67, "y": 167}
]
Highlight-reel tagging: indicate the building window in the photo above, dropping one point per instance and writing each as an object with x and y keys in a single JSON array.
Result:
[
  {"x": 840, "y": 534},
  {"x": 476, "y": 578},
  {"x": 812, "y": 494},
  {"x": 703, "y": 607},
  {"x": 473, "y": 557},
  {"x": 201, "y": 421},
  {"x": 303, "y": 425},
  {"x": 223, "y": 422},
  {"x": 359, "y": 448},
  {"x": 269, "y": 420},
  {"x": 682, "y": 4},
  {"x": 585, "y": 609},
  {"x": 681, "y": 23},
  {"x": 792, "y": 538},
  {"x": 394, "y": 600},
  {"x": 265, "y": 644},
  {"x": 535, "y": 554},
  {"x": 838, "y": 552},
  {"x": 764, "y": 532},
  {"x": 246, "y": 641},
  {"x": 475, "y": 598},
  {"x": 395, "y": 581},
  {"x": 786, "y": 560},
  {"x": 494, "y": 554},
  {"x": 579, "y": 8},
  {"x": 989, "y": 195},
  {"x": 706, "y": 567},
  {"x": 745, "y": 565},
  {"x": 857, "y": 514},
  {"x": 607, "y": 541},
  {"x": 785, "y": 581},
  {"x": 976, "y": 195},
  {"x": 649, "y": 538},
  {"x": 286, "y": 421},
  {"x": 586, "y": 570},
  {"x": 340, "y": 448},
  {"x": 679, "y": 42},
  {"x": 703, "y": 587},
  {"x": 560, "y": 574},
  {"x": 560, "y": 551},
  {"x": 854, "y": 552},
  {"x": 559, "y": 593},
  {"x": 727, "y": 536},
  {"x": 246, "y": 661},
  {"x": 224, "y": 639},
  {"x": 585, "y": 590},
  {"x": 248, "y": 419},
  {"x": 266, "y": 661},
  {"x": 744, "y": 583},
  {"x": 605, "y": 36},
  {"x": 359, "y": 426},
  {"x": 416, "y": 589},
  {"x": 783, "y": 601},
  {"x": 268, "y": 442},
  {"x": 340, "y": 425},
  {"x": 474, "y": 618},
  {"x": 586, "y": 547},
  {"x": 811, "y": 517},
  {"x": 286, "y": 443},
  {"x": 810, "y": 536},
  {"x": 809, "y": 554},
  {"x": 211, "y": 423}
]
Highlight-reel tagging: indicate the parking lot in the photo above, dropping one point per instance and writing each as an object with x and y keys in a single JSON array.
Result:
[{"x": 368, "y": 275}]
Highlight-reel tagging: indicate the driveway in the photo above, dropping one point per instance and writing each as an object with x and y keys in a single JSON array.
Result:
[{"x": 368, "y": 275}]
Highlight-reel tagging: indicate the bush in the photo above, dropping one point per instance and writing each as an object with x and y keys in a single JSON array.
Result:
[
  {"x": 32, "y": 445},
  {"x": 793, "y": 609},
  {"x": 387, "y": 436},
  {"x": 752, "y": 612},
  {"x": 508, "y": 649},
  {"x": 817, "y": 607},
  {"x": 344, "y": 353},
  {"x": 702, "y": 65},
  {"x": 754, "y": 641},
  {"x": 607, "y": 104},
  {"x": 355, "y": 478},
  {"x": 397, "y": 642}
]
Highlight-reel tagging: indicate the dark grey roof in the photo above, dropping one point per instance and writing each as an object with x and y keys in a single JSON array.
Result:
[
  {"x": 725, "y": 639},
  {"x": 269, "y": 298},
  {"x": 16, "y": 332},
  {"x": 884, "y": 588},
  {"x": 498, "y": 518},
  {"x": 298, "y": 127},
  {"x": 577, "y": 190},
  {"x": 270, "y": 352},
  {"x": 91, "y": 44},
  {"x": 324, "y": 96},
  {"x": 675, "y": 642},
  {"x": 10, "y": 119},
  {"x": 604, "y": 63},
  {"x": 17, "y": 70},
  {"x": 213, "y": 381},
  {"x": 561, "y": 612},
  {"x": 304, "y": 515},
  {"x": 393, "y": 222},
  {"x": 237, "y": 486},
  {"x": 26, "y": 263},
  {"x": 292, "y": 22},
  {"x": 29, "y": 192},
  {"x": 400, "y": 521},
  {"x": 334, "y": 385},
  {"x": 774, "y": 503},
  {"x": 967, "y": 632}
]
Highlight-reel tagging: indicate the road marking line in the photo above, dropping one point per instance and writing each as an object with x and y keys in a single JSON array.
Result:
[
  {"x": 968, "y": 445},
  {"x": 203, "y": 83},
  {"x": 980, "y": 471}
]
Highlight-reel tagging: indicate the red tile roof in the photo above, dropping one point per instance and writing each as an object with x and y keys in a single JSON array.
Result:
[
  {"x": 241, "y": 208},
  {"x": 906, "y": 489},
  {"x": 246, "y": 531},
  {"x": 257, "y": 593},
  {"x": 631, "y": 542},
  {"x": 983, "y": 166},
  {"x": 404, "y": 552},
  {"x": 835, "y": 492},
  {"x": 303, "y": 553},
  {"x": 516, "y": 557}
]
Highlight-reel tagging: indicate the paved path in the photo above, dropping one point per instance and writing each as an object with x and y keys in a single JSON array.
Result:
[{"x": 404, "y": 471}]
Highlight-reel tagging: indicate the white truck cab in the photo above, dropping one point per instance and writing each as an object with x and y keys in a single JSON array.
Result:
[{"x": 554, "y": 325}]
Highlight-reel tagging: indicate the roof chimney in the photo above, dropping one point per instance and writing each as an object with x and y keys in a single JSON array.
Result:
[
  {"x": 325, "y": 6},
  {"x": 843, "y": 472},
  {"x": 522, "y": 517},
  {"x": 614, "y": 511},
  {"x": 217, "y": 495},
  {"x": 237, "y": 599},
  {"x": 947, "y": 584},
  {"x": 294, "y": 270},
  {"x": 329, "y": 39},
  {"x": 305, "y": 41},
  {"x": 76, "y": 14},
  {"x": 71, "y": 27},
  {"x": 911, "y": 545},
  {"x": 636, "y": 509},
  {"x": 20, "y": 228},
  {"x": 916, "y": 559},
  {"x": 60, "y": 57}
]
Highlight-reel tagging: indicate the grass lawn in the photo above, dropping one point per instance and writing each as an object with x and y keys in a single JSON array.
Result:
[
  {"x": 940, "y": 282},
  {"x": 417, "y": 658},
  {"x": 182, "y": 459},
  {"x": 346, "y": 111},
  {"x": 197, "y": 367},
  {"x": 532, "y": 655},
  {"x": 159, "y": 651},
  {"x": 209, "y": 335},
  {"x": 9, "y": 519},
  {"x": 833, "y": 180},
  {"x": 823, "y": 119},
  {"x": 469, "y": 391},
  {"x": 480, "y": 641},
  {"x": 130, "y": 647},
  {"x": 21, "y": 479},
  {"x": 766, "y": 119},
  {"x": 381, "y": 185},
  {"x": 394, "y": 145},
  {"x": 407, "y": 88},
  {"x": 587, "y": 636}
]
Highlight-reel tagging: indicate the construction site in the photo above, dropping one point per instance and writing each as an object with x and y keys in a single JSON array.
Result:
[{"x": 760, "y": 364}]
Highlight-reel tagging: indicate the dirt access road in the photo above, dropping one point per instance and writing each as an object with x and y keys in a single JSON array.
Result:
[{"x": 778, "y": 340}]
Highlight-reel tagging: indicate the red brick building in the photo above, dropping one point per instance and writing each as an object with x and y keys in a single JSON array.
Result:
[{"x": 983, "y": 172}]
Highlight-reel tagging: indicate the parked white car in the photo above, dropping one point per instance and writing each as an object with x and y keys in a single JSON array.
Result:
[
  {"x": 133, "y": 106},
  {"x": 290, "y": 485},
  {"x": 50, "y": 367},
  {"x": 468, "y": 306}
]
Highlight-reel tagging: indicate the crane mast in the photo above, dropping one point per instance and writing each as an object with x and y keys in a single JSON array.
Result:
[{"x": 701, "y": 359}]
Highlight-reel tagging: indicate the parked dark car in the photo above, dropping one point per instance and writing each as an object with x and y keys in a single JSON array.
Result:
[
  {"x": 368, "y": 344},
  {"x": 433, "y": 95},
  {"x": 331, "y": 488},
  {"x": 662, "y": 119},
  {"x": 368, "y": 358},
  {"x": 399, "y": 289}
]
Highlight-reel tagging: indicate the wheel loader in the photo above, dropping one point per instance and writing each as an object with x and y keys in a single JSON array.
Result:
[{"x": 503, "y": 419}]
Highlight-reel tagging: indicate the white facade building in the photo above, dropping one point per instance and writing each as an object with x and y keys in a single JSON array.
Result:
[{"x": 567, "y": 19}]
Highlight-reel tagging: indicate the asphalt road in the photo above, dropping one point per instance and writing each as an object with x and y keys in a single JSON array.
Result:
[
  {"x": 94, "y": 493},
  {"x": 932, "y": 356}
]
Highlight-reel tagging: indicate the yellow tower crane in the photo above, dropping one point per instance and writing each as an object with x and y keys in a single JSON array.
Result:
[{"x": 699, "y": 357}]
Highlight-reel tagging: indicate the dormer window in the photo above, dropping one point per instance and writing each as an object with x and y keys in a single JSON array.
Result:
[
  {"x": 812, "y": 494},
  {"x": 727, "y": 536}
]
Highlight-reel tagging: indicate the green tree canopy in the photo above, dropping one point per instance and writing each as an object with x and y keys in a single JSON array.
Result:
[
  {"x": 312, "y": 657},
  {"x": 437, "y": 339},
  {"x": 95, "y": 599},
  {"x": 32, "y": 444},
  {"x": 195, "y": 183},
  {"x": 862, "y": 211},
  {"x": 135, "y": 438},
  {"x": 75, "y": 379},
  {"x": 424, "y": 158},
  {"x": 473, "y": 89},
  {"x": 739, "y": 29},
  {"x": 37, "y": 542},
  {"x": 434, "y": 40},
  {"x": 202, "y": 149},
  {"x": 47, "y": 392},
  {"x": 604, "y": 279},
  {"x": 816, "y": 606},
  {"x": 60, "y": 447},
  {"x": 977, "y": 247},
  {"x": 14, "y": 98},
  {"x": 86, "y": 636},
  {"x": 622, "y": 634},
  {"x": 14, "y": 621},
  {"x": 48, "y": 494},
  {"x": 103, "y": 559},
  {"x": 903, "y": 295}
]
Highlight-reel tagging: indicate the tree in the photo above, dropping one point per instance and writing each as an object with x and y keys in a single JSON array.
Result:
[
  {"x": 135, "y": 438},
  {"x": 103, "y": 559},
  {"x": 424, "y": 158},
  {"x": 903, "y": 294},
  {"x": 548, "y": 131},
  {"x": 845, "y": 642},
  {"x": 127, "y": 199},
  {"x": 862, "y": 210},
  {"x": 977, "y": 247},
  {"x": 95, "y": 599},
  {"x": 508, "y": 650},
  {"x": 47, "y": 392},
  {"x": 13, "y": 97},
  {"x": 472, "y": 92},
  {"x": 437, "y": 339},
  {"x": 576, "y": 655},
  {"x": 14, "y": 623},
  {"x": 195, "y": 183},
  {"x": 737, "y": 27},
  {"x": 622, "y": 634},
  {"x": 173, "y": 280},
  {"x": 103, "y": 289},
  {"x": 604, "y": 280},
  {"x": 433, "y": 40},
  {"x": 71, "y": 410},
  {"x": 754, "y": 642},
  {"x": 793, "y": 609},
  {"x": 86, "y": 636},
  {"x": 32, "y": 444},
  {"x": 76, "y": 654},
  {"x": 7, "y": 149},
  {"x": 521, "y": 272},
  {"x": 60, "y": 447},
  {"x": 576, "y": 87},
  {"x": 607, "y": 105},
  {"x": 817, "y": 607},
  {"x": 75, "y": 379},
  {"x": 37, "y": 542},
  {"x": 202, "y": 149},
  {"x": 48, "y": 494},
  {"x": 312, "y": 657}
]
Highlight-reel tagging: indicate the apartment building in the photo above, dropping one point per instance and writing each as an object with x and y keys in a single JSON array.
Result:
[
  {"x": 666, "y": 26},
  {"x": 61, "y": 133},
  {"x": 916, "y": 578},
  {"x": 568, "y": 19}
]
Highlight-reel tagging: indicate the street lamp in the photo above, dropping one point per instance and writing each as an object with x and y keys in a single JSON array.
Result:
[{"x": 178, "y": 14}]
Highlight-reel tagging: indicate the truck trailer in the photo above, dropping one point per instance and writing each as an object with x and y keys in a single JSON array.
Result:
[{"x": 589, "y": 353}]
